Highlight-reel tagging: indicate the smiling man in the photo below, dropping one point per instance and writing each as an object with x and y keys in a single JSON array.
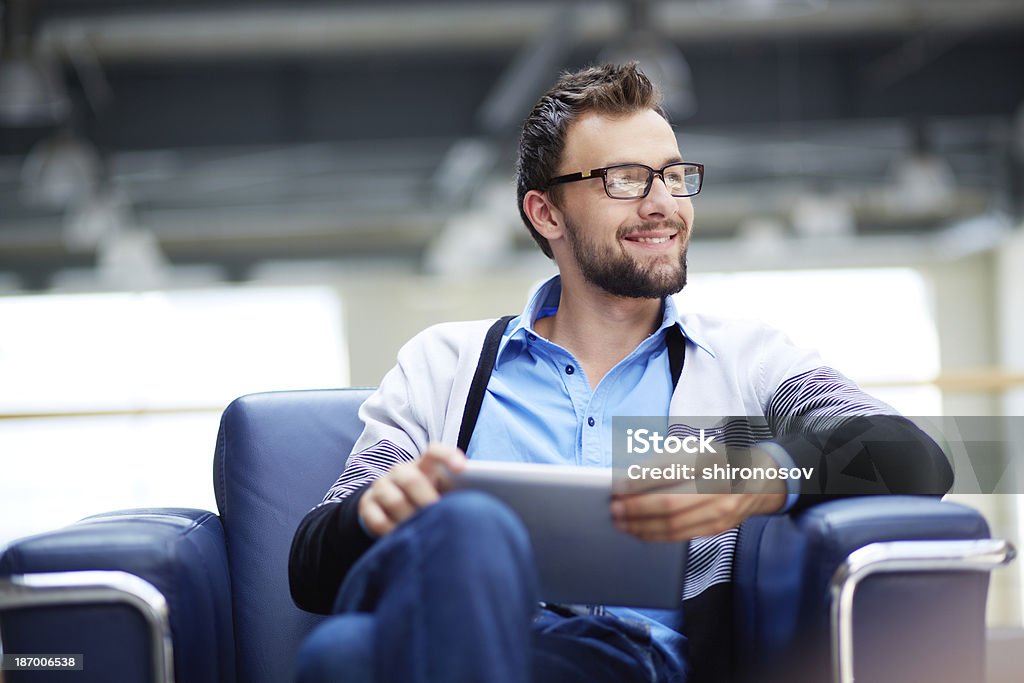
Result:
[
  {"x": 427, "y": 586},
  {"x": 635, "y": 248}
]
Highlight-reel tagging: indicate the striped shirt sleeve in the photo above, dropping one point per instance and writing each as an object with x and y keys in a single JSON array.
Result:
[
  {"x": 365, "y": 466},
  {"x": 818, "y": 400}
]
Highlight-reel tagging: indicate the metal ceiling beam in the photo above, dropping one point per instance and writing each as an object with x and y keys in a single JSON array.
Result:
[{"x": 270, "y": 31}]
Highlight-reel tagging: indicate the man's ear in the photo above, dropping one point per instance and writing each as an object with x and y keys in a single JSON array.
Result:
[{"x": 546, "y": 217}]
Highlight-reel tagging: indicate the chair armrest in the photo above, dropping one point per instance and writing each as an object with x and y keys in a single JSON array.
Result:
[
  {"x": 913, "y": 625},
  {"x": 76, "y": 574}
]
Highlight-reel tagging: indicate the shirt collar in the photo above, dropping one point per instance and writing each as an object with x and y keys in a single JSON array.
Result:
[
  {"x": 546, "y": 297},
  {"x": 671, "y": 315}
]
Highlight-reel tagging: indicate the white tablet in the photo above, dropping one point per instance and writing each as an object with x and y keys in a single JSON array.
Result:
[{"x": 581, "y": 556}]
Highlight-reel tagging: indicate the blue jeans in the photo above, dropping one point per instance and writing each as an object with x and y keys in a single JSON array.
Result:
[{"x": 451, "y": 596}]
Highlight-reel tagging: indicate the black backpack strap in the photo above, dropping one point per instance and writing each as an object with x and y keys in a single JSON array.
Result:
[
  {"x": 676, "y": 352},
  {"x": 480, "y": 379}
]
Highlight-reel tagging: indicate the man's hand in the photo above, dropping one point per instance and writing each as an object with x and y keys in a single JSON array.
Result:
[
  {"x": 407, "y": 487},
  {"x": 662, "y": 511},
  {"x": 682, "y": 516}
]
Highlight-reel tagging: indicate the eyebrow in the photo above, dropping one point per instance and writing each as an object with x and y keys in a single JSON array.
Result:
[{"x": 674, "y": 159}]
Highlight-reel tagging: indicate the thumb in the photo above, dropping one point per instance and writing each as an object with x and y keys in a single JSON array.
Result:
[{"x": 439, "y": 461}]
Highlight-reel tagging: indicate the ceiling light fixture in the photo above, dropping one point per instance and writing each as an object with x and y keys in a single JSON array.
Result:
[
  {"x": 60, "y": 170},
  {"x": 823, "y": 215},
  {"x": 922, "y": 182},
  {"x": 32, "y": 92},
  {"x": 94, "y": 219},
  {"x": 659, "y": 57},
  {"x": 131, "y": 259}
]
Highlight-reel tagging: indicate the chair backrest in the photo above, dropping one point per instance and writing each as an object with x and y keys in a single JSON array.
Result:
[{"x": 277, "y": 454}]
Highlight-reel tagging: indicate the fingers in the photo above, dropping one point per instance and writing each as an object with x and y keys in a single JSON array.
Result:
[
  {"x": 675, "y": 529},
  {"x": 407, "y": 487},
  {"x": 653, "y": 505},
  {"x": 439, "y": 462},
  {"x": 412, "y": 489},
  {"x": 395, "y": 500},
  {"x": 678, "y": 517},
  {"x": 374, "y": 519},
  {"x": 395, "y": 497}
]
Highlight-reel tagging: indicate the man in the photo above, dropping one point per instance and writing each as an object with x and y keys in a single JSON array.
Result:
[{"x": 434, "y": 587}]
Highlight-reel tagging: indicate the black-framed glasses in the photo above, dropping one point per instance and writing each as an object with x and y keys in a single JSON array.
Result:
[{"x": 633, "y": 181}]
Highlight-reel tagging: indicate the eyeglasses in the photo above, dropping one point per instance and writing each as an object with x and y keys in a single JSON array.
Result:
[{"x": 633, "y": 181}]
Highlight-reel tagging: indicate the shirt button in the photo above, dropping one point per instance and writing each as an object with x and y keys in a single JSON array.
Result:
[
  {"x": 531, "y": 337},
  {"x": 569, "y": 369},
  {"x": 590, "y": 421}
]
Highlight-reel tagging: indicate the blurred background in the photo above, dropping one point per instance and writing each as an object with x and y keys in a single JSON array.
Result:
[{"x": 204, "y": 198}]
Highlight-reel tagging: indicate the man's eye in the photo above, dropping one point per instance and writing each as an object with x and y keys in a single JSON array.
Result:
[{"x": 625, "y": 182}]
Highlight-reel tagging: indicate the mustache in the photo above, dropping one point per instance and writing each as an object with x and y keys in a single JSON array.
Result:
[{"x": 649, "y": 226}]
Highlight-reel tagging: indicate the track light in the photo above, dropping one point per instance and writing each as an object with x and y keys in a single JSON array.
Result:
[
  {"x": 32, "y": 93},
  {"x": 659, "y": 57}
]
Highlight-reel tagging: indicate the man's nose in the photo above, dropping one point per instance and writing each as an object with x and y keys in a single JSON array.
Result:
[{"x": 659, "y": 202}]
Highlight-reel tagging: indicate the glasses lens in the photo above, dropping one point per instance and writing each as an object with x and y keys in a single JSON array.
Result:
[
  {"x": 623, "y": 182},
  {"x": 683, "y": 180}
]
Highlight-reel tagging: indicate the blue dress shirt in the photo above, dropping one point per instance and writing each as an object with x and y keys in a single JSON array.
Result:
[{"x": 539, "y": 406}]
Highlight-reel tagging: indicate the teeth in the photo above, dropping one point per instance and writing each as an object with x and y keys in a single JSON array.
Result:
[{"x": 652, "y": 240}]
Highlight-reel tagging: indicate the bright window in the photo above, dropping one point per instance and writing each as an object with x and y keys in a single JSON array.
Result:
[
  {"x": 126, "y": 391},
  {"x": 873, "y": 325}
]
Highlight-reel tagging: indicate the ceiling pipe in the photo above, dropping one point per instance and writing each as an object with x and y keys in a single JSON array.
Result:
[{"x": 263, "y": 32}]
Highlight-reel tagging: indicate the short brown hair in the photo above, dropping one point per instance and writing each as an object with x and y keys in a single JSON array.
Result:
[{"x": 612, "y": 89}]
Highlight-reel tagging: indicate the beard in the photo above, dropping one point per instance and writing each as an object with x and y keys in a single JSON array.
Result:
[{"x": 620, "y": 274}]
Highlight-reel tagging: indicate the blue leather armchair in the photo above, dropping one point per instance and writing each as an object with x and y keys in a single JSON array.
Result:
[{"x": 187, "y": 595}]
